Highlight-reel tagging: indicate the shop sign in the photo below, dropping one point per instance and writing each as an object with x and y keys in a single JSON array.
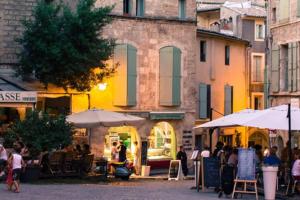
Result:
[
  {"x": 17, "y": 97},
  {"x": 166, "y": 115}
]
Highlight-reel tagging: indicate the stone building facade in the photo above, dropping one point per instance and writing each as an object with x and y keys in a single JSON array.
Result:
[
  {"x": 283, "y": 56},
  {"x": 155, "y": 78}
]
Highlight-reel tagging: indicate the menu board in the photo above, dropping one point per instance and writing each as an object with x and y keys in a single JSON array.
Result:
[
  {"x": 144, "y": 152},
  {"x": 246, "y": 164},
  {"x": 211, "y": 172},
  {"x": 175, "y": 170}
]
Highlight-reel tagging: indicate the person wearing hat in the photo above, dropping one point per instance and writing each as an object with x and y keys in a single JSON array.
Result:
[{"x": 3, "y": 159}]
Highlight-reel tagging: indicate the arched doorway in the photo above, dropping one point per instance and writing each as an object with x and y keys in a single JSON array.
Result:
[
  {"x": 259, "y": 138},
  {"x": 162, "y": 145},
  {"x": 127, "y": 134}
]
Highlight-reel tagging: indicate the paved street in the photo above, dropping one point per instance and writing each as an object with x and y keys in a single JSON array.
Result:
[{"x": 132, "y": 190}]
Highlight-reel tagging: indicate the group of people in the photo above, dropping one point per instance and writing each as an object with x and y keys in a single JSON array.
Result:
[
  {"x": 11, "y": 164},
  {"x": 119, "y": 153}
]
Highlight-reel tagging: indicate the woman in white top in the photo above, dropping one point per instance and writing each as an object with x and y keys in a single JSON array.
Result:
[
  {"x": 296, "y": 167},
  {"x": 16, "y": 162}
]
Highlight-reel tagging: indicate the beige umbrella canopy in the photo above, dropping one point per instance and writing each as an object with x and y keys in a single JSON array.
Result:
[{"x": 94, "y": 118}]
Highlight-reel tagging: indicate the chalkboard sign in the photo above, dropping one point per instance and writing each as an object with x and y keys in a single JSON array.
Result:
[
  {"x": 175, "y": 170},
  {"x": 144, "y": 152},
  {"x": 246, "y": 164},
  {"x": 211, "y": 172}
]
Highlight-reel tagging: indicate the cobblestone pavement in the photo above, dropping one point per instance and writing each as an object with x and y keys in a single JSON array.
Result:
[{"x": 132, "y": 190}]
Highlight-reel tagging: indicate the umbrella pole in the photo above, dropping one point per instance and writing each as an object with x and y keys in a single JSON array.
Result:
[{"x": 290, "y": 139}]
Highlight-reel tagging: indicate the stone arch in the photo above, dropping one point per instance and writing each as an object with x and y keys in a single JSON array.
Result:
[
  {"x": 162, "y": 141},
  {"x": 258, "y": 137}
]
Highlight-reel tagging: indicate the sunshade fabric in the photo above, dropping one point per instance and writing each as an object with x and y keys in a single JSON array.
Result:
[{"x": 94, "y": 118}]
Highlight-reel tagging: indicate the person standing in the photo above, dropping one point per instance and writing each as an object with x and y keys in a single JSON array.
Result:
[
  {"x": 136, "y": 157},
  {"x": 16, "y": 162},
  {"x": 3, "y": 159},
  {"x": 122, "y": 152},
  {"x": 205, "y": 153},
  {"x": 181, "y": 155},
  {"x": 114, "y": 152}
]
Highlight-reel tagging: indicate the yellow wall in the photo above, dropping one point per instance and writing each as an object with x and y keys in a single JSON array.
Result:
[{"x": 217, "y": 74}]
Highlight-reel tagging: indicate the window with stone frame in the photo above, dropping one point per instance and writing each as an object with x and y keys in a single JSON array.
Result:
[
  {"x": 259, "y": 31},
  {"x": 257, "y": 69}
]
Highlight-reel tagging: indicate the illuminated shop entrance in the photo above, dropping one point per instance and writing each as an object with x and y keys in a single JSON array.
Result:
[
  {"x": 258, "y": 138},
  {"x": 162, "y": 145},
  {"x": 127, "y": 134}
]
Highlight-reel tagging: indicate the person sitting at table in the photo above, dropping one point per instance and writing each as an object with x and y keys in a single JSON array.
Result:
[
  {"x": 296, "y": 166},
  {"x": 272, "y": 159},
  {"x": 114, "y": 152},
  {"x": 86, "y": 150},
  {"x": 78, "y": 150}
]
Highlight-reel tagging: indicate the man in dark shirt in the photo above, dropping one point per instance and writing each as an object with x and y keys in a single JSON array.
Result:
[
  {"x": 272, "y": 159},
  {"x": 181, "y": 155},
  {"x": 122, "y": 152}
]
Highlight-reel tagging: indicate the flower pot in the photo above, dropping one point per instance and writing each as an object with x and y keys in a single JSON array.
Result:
[{"x": 270, "y": 180}]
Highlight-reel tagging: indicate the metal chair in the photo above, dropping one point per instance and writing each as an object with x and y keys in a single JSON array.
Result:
[{"x": 294, "y": 185}]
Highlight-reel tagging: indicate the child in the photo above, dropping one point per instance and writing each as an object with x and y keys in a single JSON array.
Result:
[
  {"x": 9, "y": 178},
  {"x": 296, "y": 167},
  {"x": 16, "y": 162}
]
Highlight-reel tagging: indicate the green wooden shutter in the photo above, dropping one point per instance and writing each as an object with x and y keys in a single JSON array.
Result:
[
  {"x": 176, "y": 83},
  {"x": 284, "y": 9},
  {"x": 275, "y": 68},
  {"x": 203, "y": 112},
  {"x": 120, "y": 82},
  {"x": 165, "y": 76},
  {"x": 289, "y": 80},
  {"x": 295, "y": 66},
  {"x": 140, "y": 8},
  {"x": 131, "y": 75},
  {"x": 181, "y": 9},
  {"x": 228, "y": 100}
]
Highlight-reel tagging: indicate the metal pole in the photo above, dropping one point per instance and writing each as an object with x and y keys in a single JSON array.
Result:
[{"x": 290, "y": 137}]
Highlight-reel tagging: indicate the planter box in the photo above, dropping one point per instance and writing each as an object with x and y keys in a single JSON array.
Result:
[{"x": 31, "y": 174}]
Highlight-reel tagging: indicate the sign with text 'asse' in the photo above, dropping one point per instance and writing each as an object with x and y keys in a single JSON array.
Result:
[{"x": 17, "y": 97}]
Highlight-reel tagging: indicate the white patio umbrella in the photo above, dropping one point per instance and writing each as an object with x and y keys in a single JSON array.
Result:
[
  {"x": 274, "y": 118},
  {"x": 94, "y": 118},
  {"x": 234, "y": 119}
]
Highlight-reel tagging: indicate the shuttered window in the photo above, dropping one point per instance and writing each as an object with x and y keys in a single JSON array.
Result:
[
  {"x": 284, "y": 10},
  {"x": 126, "y": 7},
  {"x": 275, "y": 68},
  {"x": 292, "y": 66},
  {"x": 228, "y": 96},
  {"x": 204, "y": 101},
  {"x": 227, "y": 55},
  {"x": 140, "y": 8},
  {"x": 182, "y": 8},
  {"x": 125, "y": 76},
  {"x": 169, "y": 76}
]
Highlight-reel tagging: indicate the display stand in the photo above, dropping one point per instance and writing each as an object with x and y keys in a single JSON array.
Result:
[
  {"x": 194, "y": 157},
  {"x": 175, "y": 170},
  {"x": 246, "y": 172},
  {"x": 245, "y": 191}
]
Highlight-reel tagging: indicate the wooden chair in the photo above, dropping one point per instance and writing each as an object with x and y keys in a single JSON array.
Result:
[
  {"x": 68, "y": 162},
  {"x": 294, "y": 185},
  {"x": 88, "y": 162},
  {"x": 56, "y": 162}
]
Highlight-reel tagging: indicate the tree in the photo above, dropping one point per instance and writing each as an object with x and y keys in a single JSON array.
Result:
[
  {"x": 65, "y": 47},
  {"x": 40, "y": 130}
]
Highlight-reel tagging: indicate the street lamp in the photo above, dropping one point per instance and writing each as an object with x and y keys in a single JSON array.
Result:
[{"x": 102, "y": 86}]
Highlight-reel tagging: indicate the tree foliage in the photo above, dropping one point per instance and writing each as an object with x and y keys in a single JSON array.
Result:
[
  {"x": 65, "y": 47},
  {"x": 40, "y": 130}
]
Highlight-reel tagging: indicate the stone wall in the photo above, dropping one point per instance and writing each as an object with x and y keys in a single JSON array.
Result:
[
  {"x": 12, "y": 12},
  {"x": 154, "y": 8},
  {"x": 148, "y": 36}
]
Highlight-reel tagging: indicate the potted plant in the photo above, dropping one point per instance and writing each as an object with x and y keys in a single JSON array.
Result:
[{"x": 40, "y": 131}]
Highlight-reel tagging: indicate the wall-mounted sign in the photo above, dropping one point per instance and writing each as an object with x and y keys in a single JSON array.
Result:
[{"x": 17, "y": 97}]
